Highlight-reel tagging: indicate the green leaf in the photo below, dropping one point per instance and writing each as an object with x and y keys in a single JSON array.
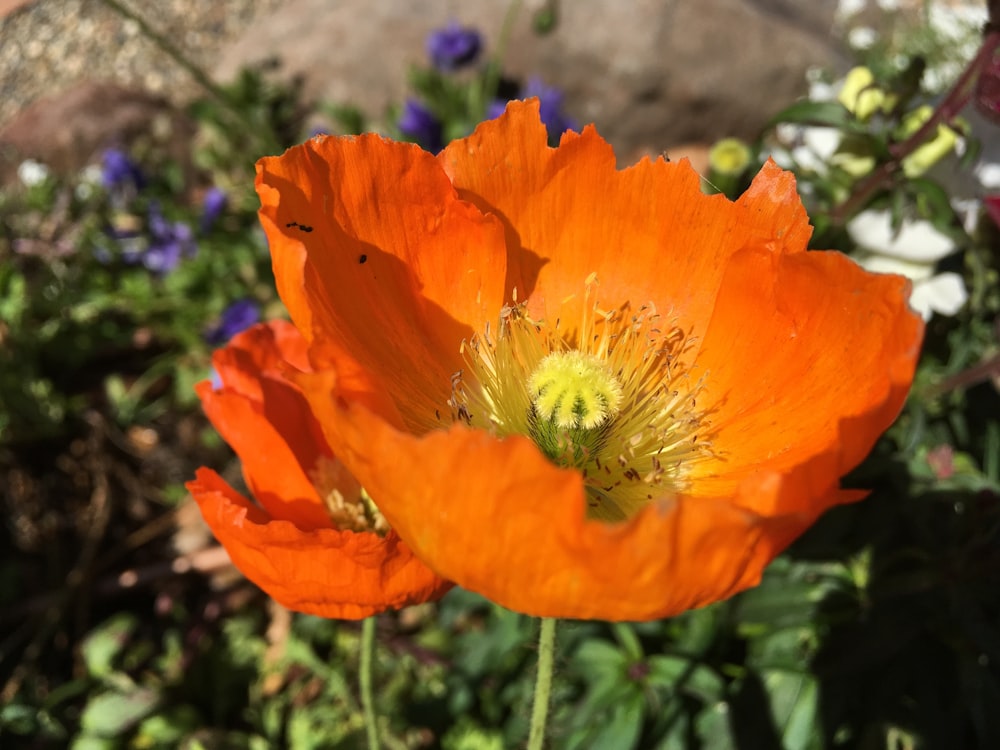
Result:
[
  {"x": 18, "y": 718},
  {"x": 111, "y": 714},
  {"x": 621, "y": 730},
  {"x": 678, "y": 674},
  {"x": 88, "y": 742},
  {"x": 794, "y": 707},
  {"x": 168, "y": 728},
  {"x": 831, "y": 114},
  {"x": 600, "y": 660},
  {"x": 714, "y": 728},
  {"x": 629, "y": 640},
  {"x": 102, "y": 646}
]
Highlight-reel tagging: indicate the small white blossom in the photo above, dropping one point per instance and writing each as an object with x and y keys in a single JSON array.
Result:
[
  {"x": 848, "y": 8},
  {"x": 31, "y": 173},
  {"x": 916, "y": 240},
  {"x": 862, "y": 37},
  {"x": 89, "y": 179},
  {"x": 912, "y": 251}
]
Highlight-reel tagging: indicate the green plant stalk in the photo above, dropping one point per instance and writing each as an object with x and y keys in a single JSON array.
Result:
[
  {"x": 367, "y": 697},
  {"x": 167, "y": 46},
  {"x": 491, "y": 80},
  {"x": 543, "y": 683},
  {"x": 268, "y": 144}
]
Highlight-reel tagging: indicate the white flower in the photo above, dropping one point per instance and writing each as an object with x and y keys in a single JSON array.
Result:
[
  {"x": 818, "y": 145},
  {"x": 912, "y": 251},
  {"x": 848, "y": 8},
  {"x": 89, "y": 179},
  {"x": 916, "y": 240},
  {"x": 862, "y": 37},
  {"x": 943, "y": 293},
  {"x": 31, "y": 173},
  {"x": 807, "y": 147},
  {"x": 989, "y": 175}
]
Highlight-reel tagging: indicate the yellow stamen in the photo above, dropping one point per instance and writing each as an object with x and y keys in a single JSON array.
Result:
[
  {"x": 573, "y": 389},
  {"x": 606, "y": 398},
  {"x": 349, "y": 506}
]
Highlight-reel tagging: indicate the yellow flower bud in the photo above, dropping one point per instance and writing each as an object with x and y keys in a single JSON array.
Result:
[
  {"x": 729, "y": 157},
  {"x": 930, "y": 152},
  {"x": 861, "y": 97},
  {"x": 854, "y": 157}
]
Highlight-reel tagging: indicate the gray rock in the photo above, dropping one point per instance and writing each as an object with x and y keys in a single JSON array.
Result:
[{"x": 650, "y": 73}]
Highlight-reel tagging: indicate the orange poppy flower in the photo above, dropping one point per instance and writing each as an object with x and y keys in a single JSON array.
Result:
[
  {"x": 579, "y": 391},
  {"x": 313, "y": 544}
]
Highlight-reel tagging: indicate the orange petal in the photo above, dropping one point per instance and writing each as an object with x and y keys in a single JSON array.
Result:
[
  {"x": 647, "y": 232},
  {"x": 803, "y": 354},
  {"x": 373, "y": 249},
  {"x": 266, "y": 420},
  {"x": 324, "y": 572},
  {"x": 497, "y": 517}
]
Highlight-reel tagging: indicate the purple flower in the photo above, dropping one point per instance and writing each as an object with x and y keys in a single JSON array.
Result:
[
  {"x": 495, "y": 108},
  {"x": 119, "y": 172},
  {"x": 551, "y": 108},
  {"x": 453, "y": 46},
  {"x": 169, "y": 241},
  {"x": 239, "y": 316},
  {"x": 212, "y": 206},
  {"x": 419, "y": 124}
]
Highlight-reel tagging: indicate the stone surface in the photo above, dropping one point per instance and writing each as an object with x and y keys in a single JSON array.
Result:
[
  {"x": 48, "y": 46},
  {"x": 650, "y": 73}
]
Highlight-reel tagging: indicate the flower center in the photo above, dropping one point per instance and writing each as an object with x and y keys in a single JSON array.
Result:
[
  {"x": 349, "y": 506},
  {"x": 573, "y": 397},
  {"x": 607, "y": 397}
]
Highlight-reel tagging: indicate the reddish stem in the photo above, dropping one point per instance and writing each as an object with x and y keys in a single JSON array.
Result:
[{"x": 946, "y": 111}]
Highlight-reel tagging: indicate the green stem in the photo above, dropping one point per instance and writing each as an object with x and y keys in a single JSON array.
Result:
[
  {"x": 367, "y": 698},
  {"x": 266, "y": 143},
  {"x": 491, "y": 80},
  {"x": 170, "y": 48},
  {"x": 543, "y": 683}
]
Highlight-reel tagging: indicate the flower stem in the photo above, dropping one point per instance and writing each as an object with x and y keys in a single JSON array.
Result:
[
  {"x": 543, "y": 682},
  {"x": 367, "y": 698},
  {"x": 171, "y": 49},
  {"x": 491, "y": 80}
]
